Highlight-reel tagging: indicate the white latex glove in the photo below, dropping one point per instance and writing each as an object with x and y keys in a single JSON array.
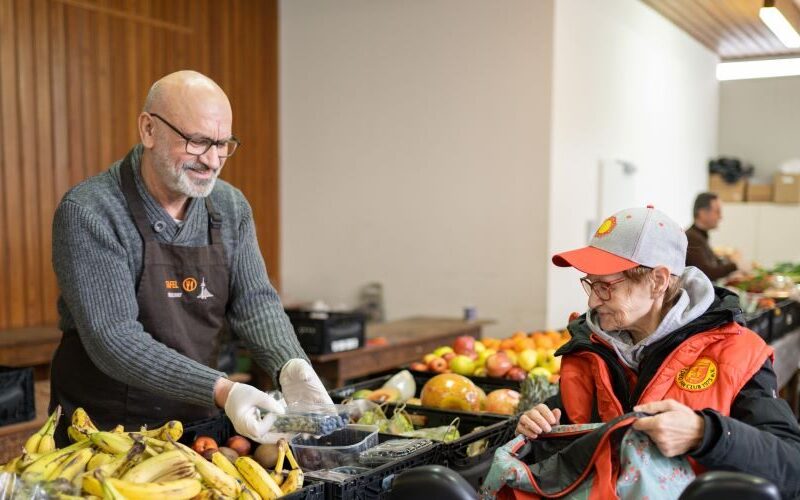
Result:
[
  {"x": 245, "y": 406},
  {"x": 299, "y": 382}
]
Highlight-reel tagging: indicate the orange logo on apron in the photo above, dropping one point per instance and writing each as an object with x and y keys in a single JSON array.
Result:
[
  {"x": 698, "y": 377},
  {"x": 189, "y": 284}
]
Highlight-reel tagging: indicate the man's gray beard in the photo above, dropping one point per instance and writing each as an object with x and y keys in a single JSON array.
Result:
[{"x": 180, "y": 182}]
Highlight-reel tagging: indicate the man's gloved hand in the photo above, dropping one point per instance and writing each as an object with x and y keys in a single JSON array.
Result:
[
  {"x": 245, "y": 405},
  {"x": 299, "y": 382}
]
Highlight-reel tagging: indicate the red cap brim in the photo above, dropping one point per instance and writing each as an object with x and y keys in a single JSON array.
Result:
[{"x": 591, "y": 260}]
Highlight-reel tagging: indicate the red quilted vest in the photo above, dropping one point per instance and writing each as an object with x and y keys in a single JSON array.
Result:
[{"x": 707, "y": 370}]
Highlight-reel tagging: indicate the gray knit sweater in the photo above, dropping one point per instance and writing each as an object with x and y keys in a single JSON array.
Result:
[{"x": 97, "y": 257}]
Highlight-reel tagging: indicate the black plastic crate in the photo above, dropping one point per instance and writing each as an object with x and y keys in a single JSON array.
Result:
[
  {"x": 785, "y": 318},
  {"x": 17, "y": 398},
  {"x": 761, "y": 323},
  {"x": 221, "y": 429},
  {"x": 326, "y": 332},
  {"x": 375, "y": 483},
  {"x": 497, "y": 430}
]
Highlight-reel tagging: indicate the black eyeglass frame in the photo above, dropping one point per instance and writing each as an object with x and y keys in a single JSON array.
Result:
[{"x": 207, "y": 141}]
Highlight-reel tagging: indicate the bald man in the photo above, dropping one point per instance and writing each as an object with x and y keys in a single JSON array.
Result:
[{"x": 153, "y": 257}]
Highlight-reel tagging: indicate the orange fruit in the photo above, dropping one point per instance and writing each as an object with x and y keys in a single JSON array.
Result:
[
  {"x": 554, "y": 336},
  {"x": 507, "y": 344},
  {"x": 519, "y": 334},
  {"x": 543, "y": 342}
]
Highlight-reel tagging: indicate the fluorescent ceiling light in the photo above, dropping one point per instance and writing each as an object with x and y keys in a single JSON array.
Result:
[
  {"x": 765, "y": 68},
  {"x": 778, "y": 24}
]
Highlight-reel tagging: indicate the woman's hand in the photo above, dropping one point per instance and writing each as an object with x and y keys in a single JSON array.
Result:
[
  {"x": 538, "y": 420},
  {"x": 675, "y": 428}
]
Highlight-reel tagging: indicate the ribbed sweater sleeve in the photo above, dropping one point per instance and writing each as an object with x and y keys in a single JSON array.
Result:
[
  {"x": 255, "y": 312},
  {"x": 97, "y": 286}
]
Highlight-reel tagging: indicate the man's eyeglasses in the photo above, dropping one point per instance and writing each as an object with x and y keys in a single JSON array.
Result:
[
  {"x": 600, "y": 288},
  {"x": 199, "y": 145}
]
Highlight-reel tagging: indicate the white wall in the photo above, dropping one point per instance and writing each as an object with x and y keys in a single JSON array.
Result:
[
  {"x": 759, "y": 121},
  {"x": 415, "y": 152},
  {"x": 765, "y": 233},
  {"x": 629, "y": 85}
]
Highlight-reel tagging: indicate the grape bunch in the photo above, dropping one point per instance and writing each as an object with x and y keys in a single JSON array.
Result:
[{"x": 311, "y": 423}]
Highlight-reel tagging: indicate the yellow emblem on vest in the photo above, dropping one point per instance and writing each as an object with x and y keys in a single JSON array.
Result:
[{"x": 698, "y": 377}]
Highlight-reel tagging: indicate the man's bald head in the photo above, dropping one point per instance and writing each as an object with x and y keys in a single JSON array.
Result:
[{"x": 181, "y": 88}]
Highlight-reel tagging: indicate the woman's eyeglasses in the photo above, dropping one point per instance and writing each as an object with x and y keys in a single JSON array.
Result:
[{"x": 602, "y": 289}]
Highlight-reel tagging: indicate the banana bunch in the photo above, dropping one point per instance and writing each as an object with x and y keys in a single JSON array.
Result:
[
  {"x": 43, "y": 441},
  {"x": 145, "y": 464},
  {"x": 260, "y": 483}
]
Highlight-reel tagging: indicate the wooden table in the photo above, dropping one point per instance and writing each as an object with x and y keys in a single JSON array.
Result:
[
  {"x": 409, "y": 340},
  {"x": 33, "y": 346}
]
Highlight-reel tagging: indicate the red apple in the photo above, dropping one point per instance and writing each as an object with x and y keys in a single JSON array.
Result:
[
  {"x": 438, "y": 365},
  {"x": 448, "y": 356},
  {"x": 464, "y": 345},
  {"x": 203, "y": 443},
  {"x": 502, "y": 401},
  {"x": 516, "y": 373},
  {"x": 498, "y": 364},
  {"x": 418, "y": 367},
  {"x": 239, "y": 444}
]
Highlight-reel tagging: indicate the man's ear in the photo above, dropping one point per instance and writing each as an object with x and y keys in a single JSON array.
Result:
[{"x": 146, "y": 130}]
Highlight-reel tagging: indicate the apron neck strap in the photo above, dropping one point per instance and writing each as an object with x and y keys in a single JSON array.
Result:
[
  {"x": 214, "y": 222},
  {"x": 134, "y": 200}
]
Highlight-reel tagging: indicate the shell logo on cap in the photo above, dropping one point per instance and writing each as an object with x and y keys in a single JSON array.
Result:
[
  {"x": 698, "y": 377},
  {"x": 606, "y": 227}
]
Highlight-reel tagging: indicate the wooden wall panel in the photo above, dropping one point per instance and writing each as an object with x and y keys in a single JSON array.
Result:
[{"x": 73, "y": 78}]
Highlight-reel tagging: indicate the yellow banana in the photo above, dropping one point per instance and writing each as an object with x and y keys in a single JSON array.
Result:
[
  {"x": 212, "y": 475},
  {"x": 172, "y": 429},
  {"x": 258, "y": 478},
  {"x": 293, "y": 482},
  {"x": 74, "y": 465},
  {"x": 82, "y": 423},
  {"x": 111, "y": 442},
  {"x": 159, "y": 465},
  {"x": 248, "y": 494},
  {"x": 289, "y": 455},
  {"x": 182, "y": 489},
  {"x": 99, "y": 458},
  {"x": 221, "y": 461},
  {"x": 33, "y": 442},
  {"x": 46, "y": 464},
  {"x": 132, "y": 459},
  {"x": 75, "y": 435},
  {"x": 11, "y": 465},
  {"x": 96, "y": 485}
]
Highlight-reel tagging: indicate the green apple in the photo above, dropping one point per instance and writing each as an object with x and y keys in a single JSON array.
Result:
[
  {"x": 479, "y": 347},
  {"x": 441, "y": 351},
  {"x": 463, "y": 365}
]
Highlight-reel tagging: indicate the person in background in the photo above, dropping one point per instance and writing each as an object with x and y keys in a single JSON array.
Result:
[
  {"x": 153, "y": 257},
  {"x": 707, "y": 214}
]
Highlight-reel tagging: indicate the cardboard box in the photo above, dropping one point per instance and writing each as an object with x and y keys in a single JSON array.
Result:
[
  {"x": 759, "y": 192},
  {"x": 787, "y": 188},
  {"x": 725, "y": 191}
]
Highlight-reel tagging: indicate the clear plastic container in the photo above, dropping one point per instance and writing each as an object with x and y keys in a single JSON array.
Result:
[{"x": 337, "y": 449}]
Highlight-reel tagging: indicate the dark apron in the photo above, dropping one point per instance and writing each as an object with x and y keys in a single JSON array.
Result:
[{"x": 182, "y": 296}]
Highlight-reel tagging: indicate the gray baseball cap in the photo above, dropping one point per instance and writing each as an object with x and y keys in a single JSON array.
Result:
[{"x": 632, "y": 237}]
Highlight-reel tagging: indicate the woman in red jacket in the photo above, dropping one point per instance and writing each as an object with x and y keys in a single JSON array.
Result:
[{"x": 660, "y": 338}]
